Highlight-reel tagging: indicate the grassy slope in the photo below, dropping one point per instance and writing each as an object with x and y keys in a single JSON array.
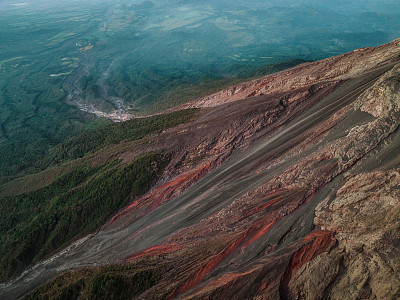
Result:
[
  {"x": 111, "y": 282},
  {"x": 37, "y": 223},
  {"x": 91, "y": 141}
]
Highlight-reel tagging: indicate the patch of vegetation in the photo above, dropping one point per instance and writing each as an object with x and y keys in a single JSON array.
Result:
[
  {"x": 91, "y": 141},
  {"x": 111, "y": 282},
  {"x": 37, "y": 223},
  {"x": 268, "y": 69}
]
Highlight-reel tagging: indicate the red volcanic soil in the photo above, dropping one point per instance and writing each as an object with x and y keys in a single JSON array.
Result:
[
  {"x": 162, "y": 193},
  {"x": 252, "y": 234},
  {"x": 156, "y": 250},
  {"x": 317, "y": 242}
]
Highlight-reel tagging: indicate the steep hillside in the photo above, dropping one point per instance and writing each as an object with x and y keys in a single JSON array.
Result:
[{"x": 283, "y": 187}]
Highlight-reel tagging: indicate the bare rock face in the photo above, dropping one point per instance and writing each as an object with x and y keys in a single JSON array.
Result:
[
  {"x": 383, "y": 100},
  {"x": 366, "y": 263},
  {"x": 364, "y": 211},
  {"x": 314, "y": 277}
]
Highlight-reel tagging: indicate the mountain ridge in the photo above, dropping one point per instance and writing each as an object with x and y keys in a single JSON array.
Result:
[
  {"x": 342, "y": 65},
  {"x": 258, "y": 194}
]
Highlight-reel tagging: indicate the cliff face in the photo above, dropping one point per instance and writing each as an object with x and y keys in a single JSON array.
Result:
[{"x": 291, "y": 193}]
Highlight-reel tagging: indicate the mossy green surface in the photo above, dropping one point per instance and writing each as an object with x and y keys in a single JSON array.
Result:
[{"x": 111, "y": 282}]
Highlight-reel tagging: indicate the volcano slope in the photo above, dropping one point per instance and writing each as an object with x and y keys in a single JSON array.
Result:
[{"x": 283, "y": 187}]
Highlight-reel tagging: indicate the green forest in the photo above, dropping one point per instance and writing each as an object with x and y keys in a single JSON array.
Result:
[
  {"x": 37, "y": 223},
  {"x": 111, "y": 282}
]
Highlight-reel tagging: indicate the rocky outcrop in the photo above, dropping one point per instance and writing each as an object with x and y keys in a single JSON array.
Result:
[
  {"x": 366, "y": 262},
  {"x": 364, "y": 213},
  {"x": 383, "y": 99}
]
